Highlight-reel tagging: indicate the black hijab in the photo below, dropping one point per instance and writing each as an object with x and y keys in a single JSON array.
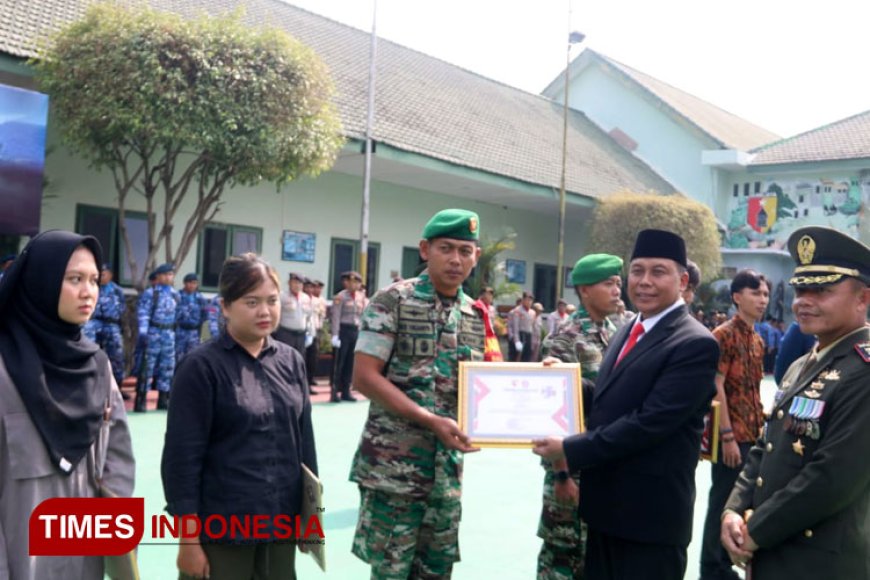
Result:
[{"x": 62, "y": 377}]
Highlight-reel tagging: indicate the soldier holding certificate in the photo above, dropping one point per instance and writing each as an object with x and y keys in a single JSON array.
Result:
[
  {"x": 799, "y": 509},
  {"x": 409, "y": 462}
]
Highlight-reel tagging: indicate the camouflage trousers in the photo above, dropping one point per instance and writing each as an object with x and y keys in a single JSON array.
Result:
[
  {"x": 185, "y": 341},
  {"x": 108, "y": 336},
  {"x": 563, "y": 552},
  {"x": 404, "y": 537}
]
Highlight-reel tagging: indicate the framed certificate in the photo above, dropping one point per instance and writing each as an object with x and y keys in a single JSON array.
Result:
[
  {"x": 510, "y": 404},
  {"x": 710, "y": 436}
]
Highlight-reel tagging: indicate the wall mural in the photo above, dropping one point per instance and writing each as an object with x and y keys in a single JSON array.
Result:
[{"x": 764, "y": 214}]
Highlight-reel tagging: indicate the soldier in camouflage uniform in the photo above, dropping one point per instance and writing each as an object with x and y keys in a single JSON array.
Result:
[
  {"x": 190, "y": 315},
  {"x": 104, "y": 327},
  {"x": 216, "y": 322},
  {"x": 409, "y": 462},
  {"x": 156, "y": 315},
  {"x": 582, "y": 339}
]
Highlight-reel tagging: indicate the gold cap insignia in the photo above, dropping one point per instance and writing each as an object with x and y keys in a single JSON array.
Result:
[
  {"x": 472, "y": 225},
  {"x": 806, "y": 249}
]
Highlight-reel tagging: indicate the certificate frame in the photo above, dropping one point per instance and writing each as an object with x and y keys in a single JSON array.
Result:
[
  {"x": 710, "y": 435},
  {"x": 512, "y": 383}
]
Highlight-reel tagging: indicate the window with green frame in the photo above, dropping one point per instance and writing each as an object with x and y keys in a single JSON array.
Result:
[
  {"x": 102, "y": 223},
  {"x": 344, "y": 256},
  {"x": 219, "y": 241}
]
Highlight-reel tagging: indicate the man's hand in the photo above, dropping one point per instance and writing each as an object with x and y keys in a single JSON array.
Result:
[
  {"x": 567, "y": 492},
  {"x": 192, "y": 560},
  {"x": 336, "y": 342},
  {"x": 450, "y": 434},
  {"x": 309, "y": 340},
  {"x": 731, "y": 454},
  {"x": 735, "y": 539},
  {"x": 550, "y": 361},
  {"x": 549, "y": 448},
  {"x": 518, "y": 345}
]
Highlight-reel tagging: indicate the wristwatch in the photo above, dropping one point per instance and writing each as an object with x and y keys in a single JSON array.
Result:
[{"x": 562, "y": 476}]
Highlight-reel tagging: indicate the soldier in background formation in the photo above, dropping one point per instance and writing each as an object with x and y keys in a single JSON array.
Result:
[
  {"x": 799, "y": 507},
  {"x": 192, "y": 312},
  {"x": 347, "y": 308},
  {"x": 521, "y": 322},
  {"x": 156, "y": 315},
  {"x": 142, "y": 340},
  {"x": 581, "y": 339},
  {"x": 409, "y": 461},
  {"x": 216, "y": 320},
  {"x": 318, "y": 315},
  {"x": 295, "y": 328},
  {"x": 557, "y": 317},
  {"x": 104, "y": 327}
]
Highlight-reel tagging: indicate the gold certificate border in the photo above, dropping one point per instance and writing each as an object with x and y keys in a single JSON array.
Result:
[{"x": 571, "y": 371}]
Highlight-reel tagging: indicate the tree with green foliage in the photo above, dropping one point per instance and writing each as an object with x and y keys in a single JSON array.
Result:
[
  {"x": 181, "y": 110},
  {"x": 619, "y": 217}
]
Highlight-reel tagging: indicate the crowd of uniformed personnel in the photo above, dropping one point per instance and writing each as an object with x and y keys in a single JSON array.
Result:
[
  {"x": 170, "y": 324},
  {"x": 617, "y": 498}
]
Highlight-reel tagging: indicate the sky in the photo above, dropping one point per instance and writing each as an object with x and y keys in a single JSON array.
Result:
[{"x": 788, "y": 66}]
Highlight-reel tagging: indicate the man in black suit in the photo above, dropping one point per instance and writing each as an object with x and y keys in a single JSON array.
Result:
[
  {"x": 801, "y": 506},
  {"x": 637, "y": 459}
]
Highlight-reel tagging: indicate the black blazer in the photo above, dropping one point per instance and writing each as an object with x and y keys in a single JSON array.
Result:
[
  {"x": 811, "y": 500},
  {"x": 637, "y": 459}
]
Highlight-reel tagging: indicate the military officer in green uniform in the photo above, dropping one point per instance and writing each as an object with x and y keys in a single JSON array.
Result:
[
  {"x": 580, "y": 339},
  {"x": 801, "y": 507},
  {"x": 409, "y": 462}
]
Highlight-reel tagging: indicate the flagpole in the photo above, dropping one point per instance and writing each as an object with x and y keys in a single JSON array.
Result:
[{"x": 367, "y": 170}]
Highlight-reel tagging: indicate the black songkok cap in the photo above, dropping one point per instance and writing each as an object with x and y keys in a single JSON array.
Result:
[{"x": 660, "y": 244}]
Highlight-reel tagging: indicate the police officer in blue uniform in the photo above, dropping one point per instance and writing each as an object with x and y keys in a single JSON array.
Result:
[
  {"x": 104, "y": 327},
  {"x": 191, "y": 314},
  {"x": 156, "y": 316}
]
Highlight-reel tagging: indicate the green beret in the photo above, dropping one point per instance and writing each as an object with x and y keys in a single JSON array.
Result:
[
  {"x": 459, "y": 224},
  {"x": 594, "y": 268}
]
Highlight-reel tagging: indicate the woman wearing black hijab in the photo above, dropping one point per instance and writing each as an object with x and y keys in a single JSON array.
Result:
[{"x": 55, "y": 389}]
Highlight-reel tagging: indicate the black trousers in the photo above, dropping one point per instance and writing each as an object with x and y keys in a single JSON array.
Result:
[
  {"x": 293, "y": 338},
  {"x": 612, "y": 558},
  {"x": 254, "y": 561},
  {"x": 312, "y": 354},
  {"x": 526, "y": 354},
  {"x": 715, "y": 563},
  {"x": 343, "y": 371}
]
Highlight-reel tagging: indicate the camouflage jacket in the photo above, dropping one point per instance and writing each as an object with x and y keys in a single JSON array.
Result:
[
  {"x": 192, "y": 310},
  {"x": 162, "y": 313},
  {"x": 580, "y": 340},
  {"x": 421, "y": 339}
]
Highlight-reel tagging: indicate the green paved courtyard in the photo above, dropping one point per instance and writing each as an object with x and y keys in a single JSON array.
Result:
[{"x": 501, "y": 502}]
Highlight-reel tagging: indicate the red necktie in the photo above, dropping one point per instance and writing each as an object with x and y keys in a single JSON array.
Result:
[{"x": 636, "y": 331}]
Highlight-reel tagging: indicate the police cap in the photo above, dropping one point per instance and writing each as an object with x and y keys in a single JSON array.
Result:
[{"x": 192, "y": 277}]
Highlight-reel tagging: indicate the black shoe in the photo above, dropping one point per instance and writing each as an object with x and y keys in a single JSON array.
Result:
[
  {"x": 348, "y": 397},
  {"x": 334, "y": 399},
  {"x": 162, "y": 401},
  {"x": 140, "y": 405},
  {"x": 126, "y": 396}
]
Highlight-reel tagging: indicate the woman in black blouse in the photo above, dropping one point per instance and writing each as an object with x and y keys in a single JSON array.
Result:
[{"x": 238, "y": 431}]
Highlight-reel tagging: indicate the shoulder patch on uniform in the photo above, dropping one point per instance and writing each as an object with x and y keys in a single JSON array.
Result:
[{"x": 863, "y": 349}]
